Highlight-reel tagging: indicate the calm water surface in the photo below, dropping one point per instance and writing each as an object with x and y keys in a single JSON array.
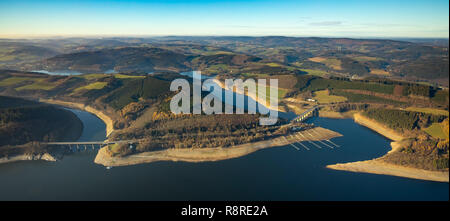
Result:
[
  {"x": 63, "y": 73},
  {"x": 281, "y": 173}
]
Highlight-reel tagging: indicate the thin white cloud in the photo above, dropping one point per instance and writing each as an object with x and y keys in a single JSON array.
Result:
[{"x": 326, "y": 23}]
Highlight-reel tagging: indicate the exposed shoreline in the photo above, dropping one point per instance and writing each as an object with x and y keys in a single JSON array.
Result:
[
  {"x": 45, "y": 156},
  {"x": 105, "y": 118},
  {"x": 203, "y": 154},
  {"x": 253, "y": 96},
  {"x": 378, "y": 127},
  {"x": 50, "y": 156},
  {"x": 375, "y": 166},
  {"x": 378, "y": 166},
  {"x": 335, "y": 115}
]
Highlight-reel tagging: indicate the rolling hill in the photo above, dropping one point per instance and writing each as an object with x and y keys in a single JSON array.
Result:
[
  {"x": 140, "y": 59},
  {"x": 413, "y": 60}
]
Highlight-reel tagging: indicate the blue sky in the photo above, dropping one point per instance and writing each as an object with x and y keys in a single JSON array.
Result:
[{"x": 325, "y": 18}]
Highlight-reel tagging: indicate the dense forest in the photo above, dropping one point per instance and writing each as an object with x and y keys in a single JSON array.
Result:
[
  {"x": 421, "y": 151},
  {"x": 403, "y": 120},
  {"x": 375, "y": 90},
  {"x": 135, "y": 89},
  {"x": 199, "y": 131},
  {"x": 24, "y": 123},
  {"x": 379, "y": 85}
]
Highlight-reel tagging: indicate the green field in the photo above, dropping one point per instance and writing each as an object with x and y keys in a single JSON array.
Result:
[
  {"x": 365, "y": 58},
  {"x": 8, "y": 58},
  {"x": 216, "y": 52},
  {"x": 315, "y": 72},
  {"x": 272, "y": 64},
  {"x": 253, "y": 75},
  {"x": 436, "y": 131},
  {"x": 323, "y": 96},
  {"x": 37, "y": 85},
  {"x": 93, "y": 86},
  {"x": 281, "y": 93},
  {"x": 92, "y": 76},
  {"x": 97, "y": 76},
  {"x": 14, "y": 80},
  {"x": 124, "y": 76}
]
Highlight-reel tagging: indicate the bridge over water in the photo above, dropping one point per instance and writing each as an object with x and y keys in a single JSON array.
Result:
[
  {"x": 85, "y": 145},
  {"x": 305, "y": 115}
]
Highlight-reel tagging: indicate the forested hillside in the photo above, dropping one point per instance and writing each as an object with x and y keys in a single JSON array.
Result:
[
  {"x": 24, "y": 122},
  {"x": 414, "y": 61}
]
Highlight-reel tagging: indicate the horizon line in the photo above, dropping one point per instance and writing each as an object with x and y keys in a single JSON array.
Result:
[{"x": 44, "y": 36}]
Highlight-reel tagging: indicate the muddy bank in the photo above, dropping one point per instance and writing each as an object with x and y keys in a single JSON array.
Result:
[{"x": 208, "y": 154}]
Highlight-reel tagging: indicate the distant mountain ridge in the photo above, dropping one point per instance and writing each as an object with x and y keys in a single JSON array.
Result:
[
  {"x": 124, "y": 59},
  {"x": 410, "y": 59}
]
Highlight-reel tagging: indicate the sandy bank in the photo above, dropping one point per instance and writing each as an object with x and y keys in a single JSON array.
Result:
[
  {"x": 45, "y": 156},
  {"x": 334, "y": 115},
  {"x": 253, "y": 96},
  {"x": 378, "y": 127},
  {"x": 105, "y": 118},
  {"x": 378, "y": 166},
  {"x": 207, "y": 154}
]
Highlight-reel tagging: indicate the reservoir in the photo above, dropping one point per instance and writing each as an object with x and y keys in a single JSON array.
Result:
[
  {"x": 61, "y": 73},
  {"x": 280, "y": 173}
]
